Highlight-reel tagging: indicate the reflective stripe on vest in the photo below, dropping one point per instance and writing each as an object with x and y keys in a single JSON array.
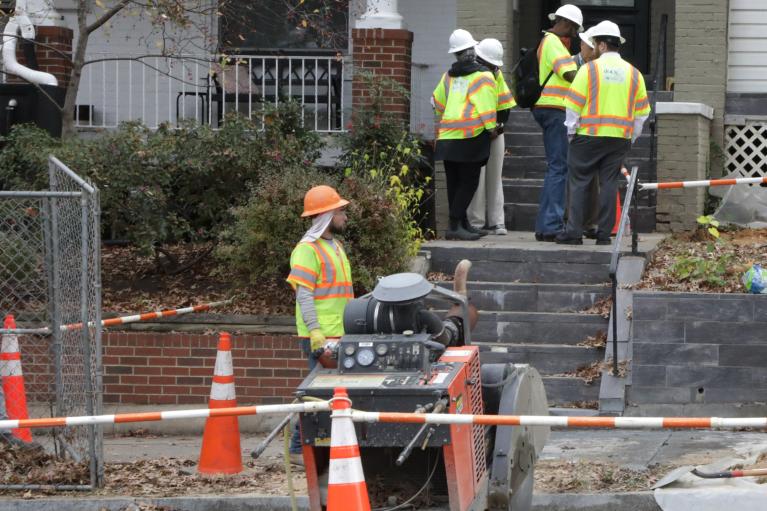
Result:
[
  {"x": 332, "y": 290},
  {"x": 608, "y": 115},
  {"x": 465, "y": 114}
]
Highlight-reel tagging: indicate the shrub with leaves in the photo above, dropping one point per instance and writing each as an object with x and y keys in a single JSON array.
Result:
[
  {"x": 169, "y": 185},
  {"x": 711, "y": 268}
]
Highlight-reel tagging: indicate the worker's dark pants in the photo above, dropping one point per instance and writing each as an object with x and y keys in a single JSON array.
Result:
[
  {"x": 295, "y": 440},
  {"x": 462, "y": 180},
  {"x": 592, "y": 158}
]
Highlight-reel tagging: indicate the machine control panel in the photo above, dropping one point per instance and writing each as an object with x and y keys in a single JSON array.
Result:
[{"x": 383, "y": 353}]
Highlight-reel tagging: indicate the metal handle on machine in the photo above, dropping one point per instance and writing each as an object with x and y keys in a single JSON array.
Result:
[
  {"x": 439, "y": 407},
  {"x": 464, "y": 302}
]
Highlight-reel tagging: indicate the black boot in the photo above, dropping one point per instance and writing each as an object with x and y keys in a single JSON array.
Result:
[
  {"x": 467, "y": 226},
  {"x": 457, "y": 232}
]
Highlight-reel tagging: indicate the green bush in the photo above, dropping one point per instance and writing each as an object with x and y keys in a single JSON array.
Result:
[{"x": 169, "y": 185}]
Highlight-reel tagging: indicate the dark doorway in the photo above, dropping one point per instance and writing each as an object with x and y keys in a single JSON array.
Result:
[{"x": 632, "y": 16}]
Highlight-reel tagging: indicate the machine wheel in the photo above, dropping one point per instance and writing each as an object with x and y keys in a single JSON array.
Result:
[{"x": 516, "y": 448}]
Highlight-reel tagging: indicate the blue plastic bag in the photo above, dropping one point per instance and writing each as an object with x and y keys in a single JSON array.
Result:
[{"x": 755, "y": 280}]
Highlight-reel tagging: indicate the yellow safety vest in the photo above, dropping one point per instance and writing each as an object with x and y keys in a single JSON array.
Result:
[
  {"x": 324, "y": 270},
  {"x": 505, "y": 98},
  {"x": 465, "y": 105},
  {"x": 608, "y": 93},
  {"x": 553, "y": 56}
]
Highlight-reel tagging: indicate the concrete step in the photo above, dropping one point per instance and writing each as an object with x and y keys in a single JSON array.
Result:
[
  {"x": 522, "y": 191},
  {"x": 520, "y": 217},
  {"x": 561, "y": 390},
  {"x": 535, "y": 265},
  {"x": 538, "y": 328},
  {"x": 516, "y": 138},
  {"x": 520, "y": 297},
  {"x": 550, "y": 360},
  {"x": 534, "y": 167},
  {"x": 538, "y": 150}
]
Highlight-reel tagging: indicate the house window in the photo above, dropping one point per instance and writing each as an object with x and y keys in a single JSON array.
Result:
[{"x": 320, "y": 26}]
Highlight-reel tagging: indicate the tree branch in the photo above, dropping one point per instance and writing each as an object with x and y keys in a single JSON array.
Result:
[{"x": 106, "y": 16}]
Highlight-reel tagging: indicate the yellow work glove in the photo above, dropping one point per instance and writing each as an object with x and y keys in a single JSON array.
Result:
[{"x": 316, "y": 339}]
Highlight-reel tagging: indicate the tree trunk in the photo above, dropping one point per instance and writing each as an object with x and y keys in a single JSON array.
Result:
[{"x": 68, "y": 115}]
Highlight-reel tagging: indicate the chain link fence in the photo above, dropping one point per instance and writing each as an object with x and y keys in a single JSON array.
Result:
[{"x": 49, "y": 277}]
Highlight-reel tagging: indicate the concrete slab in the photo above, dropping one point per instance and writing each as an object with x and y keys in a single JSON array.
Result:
[{"x": 526, "y": 240}]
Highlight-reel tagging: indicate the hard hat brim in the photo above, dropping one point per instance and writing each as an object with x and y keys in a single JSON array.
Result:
[
  {"x": 318, "y": 211},
  {"x": 553, "y": 16},
  {"x": 586, "y": 39},
  {"x": 495, "y": 62},
  {"x": 620, "y": 38},
  {"x": 466, "y": 46}
]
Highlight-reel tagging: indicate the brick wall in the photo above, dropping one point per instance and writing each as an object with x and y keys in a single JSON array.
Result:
[
  {"x": 700, "y": 68},
  {"x": 489, "y": 18},
  {"x": 386, "y": 53},
  {"x": 683, "y": 154},
  {"x": 58, "y": 40},
  {"x": 159, "y": 368},
  {"x": 699, "y": 348}
]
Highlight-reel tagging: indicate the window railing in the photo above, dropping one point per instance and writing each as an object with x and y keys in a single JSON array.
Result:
[{"x": 160, "y": 90}]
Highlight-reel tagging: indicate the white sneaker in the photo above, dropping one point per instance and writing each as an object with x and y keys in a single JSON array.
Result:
[{"x": 499, "y": 230}]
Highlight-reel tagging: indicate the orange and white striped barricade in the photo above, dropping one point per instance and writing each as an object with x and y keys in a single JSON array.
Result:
[
  {"x": 220, "y": 453},
  {"x": 163, "y": 415},
  {"x": 346, "y": 482},
  {"x": 13, "y": 380},
  {"x": 669, "y": 185}
]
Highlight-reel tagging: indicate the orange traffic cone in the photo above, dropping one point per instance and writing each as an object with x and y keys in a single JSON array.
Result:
[
  {"x": 618, "y": 211},
  {"x": 346, "y": 482},
  {"x": 220, "y": 453},
  {"x": 13, "y": 380}
]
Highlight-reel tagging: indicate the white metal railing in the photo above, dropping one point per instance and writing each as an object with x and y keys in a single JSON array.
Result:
[{"x": 168, "y": 90}]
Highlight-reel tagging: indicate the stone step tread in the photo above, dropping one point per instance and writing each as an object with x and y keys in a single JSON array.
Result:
[
  {"x": 542, "y": 317},
  {"x": 486, "y": 285}
]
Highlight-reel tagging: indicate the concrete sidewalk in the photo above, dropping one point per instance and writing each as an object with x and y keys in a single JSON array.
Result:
[{"x": 623, "y": 448}]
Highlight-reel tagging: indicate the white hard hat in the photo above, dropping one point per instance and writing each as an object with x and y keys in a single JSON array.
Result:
[
  {"x": 570, "y": 12},
  {"x": 461, "y": 40},
  {"x": 586, "y": 37},
  {"x": 490, "y": 50},
  {"x": 606, "y": 29}
]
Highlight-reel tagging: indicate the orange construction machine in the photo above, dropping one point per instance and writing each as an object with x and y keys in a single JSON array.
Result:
[{"x": 398, "y": 355}]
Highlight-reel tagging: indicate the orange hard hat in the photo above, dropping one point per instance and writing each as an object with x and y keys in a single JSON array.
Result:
[{"x": 322, "y": 199}]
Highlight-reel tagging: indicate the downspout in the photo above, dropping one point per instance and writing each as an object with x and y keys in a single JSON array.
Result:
[
  {"x": 9, "y": 57},
  {"x": 43, "y": 13}
]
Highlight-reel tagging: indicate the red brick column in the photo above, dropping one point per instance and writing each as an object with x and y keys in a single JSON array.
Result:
[
  {"x": 386, "y": 53},
  {"x": 56, "y": 40}
]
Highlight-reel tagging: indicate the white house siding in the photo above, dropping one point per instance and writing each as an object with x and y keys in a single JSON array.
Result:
[
  {"x": 747, "y": 60},
  {"x": 122, "y": 90},
  {"x": 431, "y": 22}
]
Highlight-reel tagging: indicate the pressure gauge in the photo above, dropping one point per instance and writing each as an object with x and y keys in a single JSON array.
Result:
[
  {"x": 349, "y": 350},
  {"x": 382, "y": 349},
  {"x": 348, "y": 363},
  {"x": 365, "y": 357}
]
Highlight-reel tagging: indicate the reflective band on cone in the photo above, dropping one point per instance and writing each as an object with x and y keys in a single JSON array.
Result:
[
  {"x": 13, "y": 380},
  {"x": 220, "y": 453},
  {"x": 346, "y": 482}
]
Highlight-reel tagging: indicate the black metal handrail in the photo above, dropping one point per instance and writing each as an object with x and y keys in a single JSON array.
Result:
[{"x": 628, "y": 200}]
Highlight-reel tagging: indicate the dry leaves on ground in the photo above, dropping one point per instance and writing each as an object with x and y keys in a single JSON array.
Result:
[
  {"x": 591, "y": 372},
  {"x": 598, "y": 341},
  {"x": 438, "y": 276},
  {"x": 133, "y": 282},
  {"x": 744, "y": 246},
  {"x": 556, "y": 476},
  {"x": 603, "y": 307},
  {"x": 157, "y": 477}
]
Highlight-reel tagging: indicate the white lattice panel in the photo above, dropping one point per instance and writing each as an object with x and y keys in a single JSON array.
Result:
[{"x": 746, "y": 149}]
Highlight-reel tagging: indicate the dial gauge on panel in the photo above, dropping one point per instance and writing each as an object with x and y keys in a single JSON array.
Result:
[{"x": 365, "y": 357}]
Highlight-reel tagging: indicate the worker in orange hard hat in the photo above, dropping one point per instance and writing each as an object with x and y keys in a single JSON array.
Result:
[{"x": 322, "y": 278}]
